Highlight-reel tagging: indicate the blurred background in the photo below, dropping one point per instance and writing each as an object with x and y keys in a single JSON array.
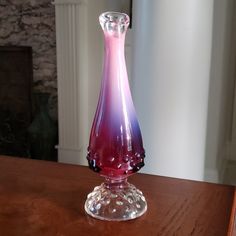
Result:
[{"x": 181, "y": 63}]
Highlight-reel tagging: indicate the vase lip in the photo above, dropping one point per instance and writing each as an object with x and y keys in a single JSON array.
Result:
[{"x": 112, "y": 21}]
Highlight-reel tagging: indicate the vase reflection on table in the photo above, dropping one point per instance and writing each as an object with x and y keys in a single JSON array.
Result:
[{"x": 115, "y": 149}]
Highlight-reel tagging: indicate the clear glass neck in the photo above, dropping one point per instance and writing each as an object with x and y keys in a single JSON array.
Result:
[{"x": 114, "y": 23}]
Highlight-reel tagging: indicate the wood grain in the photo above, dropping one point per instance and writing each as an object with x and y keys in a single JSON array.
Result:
[
  {"x": 232, "y": 223},
  {"x": 45, "y": 198}
]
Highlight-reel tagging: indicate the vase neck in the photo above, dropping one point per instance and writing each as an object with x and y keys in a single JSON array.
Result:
[
  {"x": 114, "y": 49},
  {"x": 114, "y": 26}
]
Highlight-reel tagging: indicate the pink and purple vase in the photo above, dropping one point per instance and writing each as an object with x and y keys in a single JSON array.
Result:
[{"x": 115, "y": 149}]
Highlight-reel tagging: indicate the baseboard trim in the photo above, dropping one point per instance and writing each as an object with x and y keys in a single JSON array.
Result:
[
  {"x": 212, "y": 175},
  {"x": 72, "y": 156},
  {"x": 222, "y": 171},
  {"x": 230, "y": 176}
]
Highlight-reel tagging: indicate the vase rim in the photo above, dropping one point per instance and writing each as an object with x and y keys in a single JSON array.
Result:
[
  {"x": 116, "y": 17},
  {"x": 114, "y": 21}
]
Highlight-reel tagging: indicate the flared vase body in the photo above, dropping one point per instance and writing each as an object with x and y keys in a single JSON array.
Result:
[{"x": 115, "y": 148}]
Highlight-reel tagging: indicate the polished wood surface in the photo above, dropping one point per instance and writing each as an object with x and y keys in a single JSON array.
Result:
[
  {"x": 232, "y": 224},
  {"x": 44, "y": 198}
]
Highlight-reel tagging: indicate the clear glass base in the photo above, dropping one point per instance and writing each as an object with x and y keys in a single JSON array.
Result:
[{"x": 115, "y": 200}]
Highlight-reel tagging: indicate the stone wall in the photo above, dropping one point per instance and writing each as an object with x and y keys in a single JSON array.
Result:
[{"x": 32, "y": 23}]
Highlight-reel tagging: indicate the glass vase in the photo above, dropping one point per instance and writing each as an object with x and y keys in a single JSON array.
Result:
[{"x": 115, "y": 148}]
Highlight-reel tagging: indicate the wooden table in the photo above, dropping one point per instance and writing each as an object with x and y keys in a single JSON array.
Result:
[{"x": 44, "y": 198}]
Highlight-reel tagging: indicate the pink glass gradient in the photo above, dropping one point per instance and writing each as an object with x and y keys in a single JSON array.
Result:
[{"x": 115, "y": 148}]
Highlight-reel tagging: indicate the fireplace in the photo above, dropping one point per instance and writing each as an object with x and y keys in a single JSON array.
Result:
[{"x": 16, "y": 74}]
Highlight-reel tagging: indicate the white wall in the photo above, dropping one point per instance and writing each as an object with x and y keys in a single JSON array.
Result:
[
  {"x": 171, "y": 73},
  {"x": 220, "y": 92},
  {"x": 232, "y": 146}
]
